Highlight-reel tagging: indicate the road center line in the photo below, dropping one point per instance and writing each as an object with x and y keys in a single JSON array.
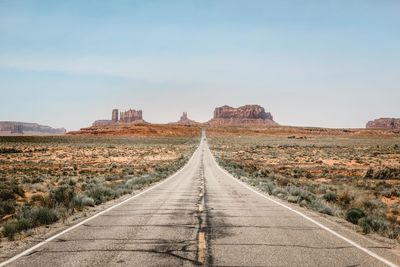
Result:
[
  {"x": 201, "y": 216},
  {"x": 201, "y": 247}
]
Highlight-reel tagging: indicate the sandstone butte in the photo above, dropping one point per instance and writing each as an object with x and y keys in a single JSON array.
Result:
[
  {"x": 384, "y": 123},
  {"x": 245, "y": 115},
  {"x": 184, "y": 120},
  {"x": 131, "y": 116}
]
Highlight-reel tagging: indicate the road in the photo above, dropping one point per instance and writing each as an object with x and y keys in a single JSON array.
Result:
[{"x": 203, "y": 216}]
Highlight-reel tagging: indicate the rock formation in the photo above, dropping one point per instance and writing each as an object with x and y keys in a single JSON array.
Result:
[
  {"x": 130, "y": 116},
  {"x": 114, "y": 117},
  {"x": 184, "y": 117},
  {"x": 184, "y": 120},
  {"x": 384, "y": 123},
  {"x": 246, "y": 115},
  {"x": 17, "y": 129},
  {"x": 14, "y": 127},
  {"x": 102, "y": 122}
]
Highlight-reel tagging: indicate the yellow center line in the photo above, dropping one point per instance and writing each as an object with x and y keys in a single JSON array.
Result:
[
  {"x": 201, "y": 248},
  {"x": 201, "y": 208}
]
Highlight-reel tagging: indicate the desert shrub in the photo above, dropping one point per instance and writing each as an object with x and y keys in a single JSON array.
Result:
[
  {"x": 128, "y": 171},
  {"x": 293, "y": 199},
  {"x": 37, "y": 198},
  {"x": 390, "y": 192},
  {"x": 373, "y": 204},
  {"x": 345, "y": 197},
  {"x": 14, "y": 188},
  {"x": 122, "y": 190},
  {"x": 354, "y": 214},
  {"x": 396, "y": 192},
  {"x": 44, "y": 216},
  {"x": 144, "y": 180},
  {"x": 24, "y": 224},
  {"x": 16, "y": 226},
  {"x": 83, "y": 201},
  {"x": 321, "y": 207},
  {"x": 100, "y": 193},
  {"x": 112, "y": 178},
  {"x": 6, "y": 194},
  {"x": 268, "y": 187},
  {"x": 306, "y": 196},
  {"x": 279, "y": 192},
  {"x": 327, "y": 210},
  {"x": 263, "y": 173},
  {"x": 387, "y": 193},
  {"x": 37, "y": 180},
  {"x": 39, "y": 187},
  {"x": 294, "y": 191},
  {"x": 365, "y": 224},
  {"x": 64, "y": 194},
  {"x": 379, "y": 225},
  {"x": 10, "y": 229},
  {"x": 7, "y": 207},
  {"x": 395, "y": 209},
  {"x": 40, "y": 216},
  {"x": 330, "y": 196},
  {"x": 369, "y": 174},
  {"x": 282, "y": 181},
  {"x": 7, "y": 150},
  {"x": 384, "y": 173}
]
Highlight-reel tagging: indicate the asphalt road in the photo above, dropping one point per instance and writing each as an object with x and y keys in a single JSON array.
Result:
[{"x": 202, "y": 215}]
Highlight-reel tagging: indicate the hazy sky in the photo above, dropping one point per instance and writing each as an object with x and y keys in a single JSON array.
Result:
[{"x": 311, "y": 63}]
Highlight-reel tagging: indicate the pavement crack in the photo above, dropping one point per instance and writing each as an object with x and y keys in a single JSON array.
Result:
[{"x": 202, "y": 217}]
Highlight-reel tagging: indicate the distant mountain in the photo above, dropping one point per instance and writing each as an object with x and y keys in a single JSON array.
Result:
[
  {"x": 21, "y": 128},
  {"x": 384, "y": 123},
  {"x": 245, "y": 115}
]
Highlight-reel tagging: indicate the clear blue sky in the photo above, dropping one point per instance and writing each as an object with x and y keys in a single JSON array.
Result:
[{"x": 311, "y": 63}]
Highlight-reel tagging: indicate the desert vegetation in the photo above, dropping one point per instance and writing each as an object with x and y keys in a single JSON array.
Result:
[
  {"x": 45, "y": 179},
  {"x": 355, "y": 178}
]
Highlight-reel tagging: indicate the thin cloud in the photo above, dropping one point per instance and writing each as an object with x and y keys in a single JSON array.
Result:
[{"x": 217, "y": 71}]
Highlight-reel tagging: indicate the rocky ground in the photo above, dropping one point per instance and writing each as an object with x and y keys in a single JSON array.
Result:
[
  {"x": 140, "y": 130},
  {"x": 296, "y": 132}
]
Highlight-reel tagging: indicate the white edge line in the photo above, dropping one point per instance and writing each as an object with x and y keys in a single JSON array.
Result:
[
  {"x": 367, "y": 251},
  {"x": 29, "y": 250}
]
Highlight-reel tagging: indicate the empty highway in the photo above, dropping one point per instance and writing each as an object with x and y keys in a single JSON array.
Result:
[{"x": 203, "y": 216}]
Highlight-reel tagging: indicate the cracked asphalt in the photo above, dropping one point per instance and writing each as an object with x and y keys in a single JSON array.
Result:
[{"x": 202, "y": 216}]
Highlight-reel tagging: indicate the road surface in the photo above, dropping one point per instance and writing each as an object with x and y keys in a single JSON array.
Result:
[{"x": 203, "y": 216}]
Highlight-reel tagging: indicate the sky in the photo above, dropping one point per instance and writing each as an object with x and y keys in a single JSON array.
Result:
[{"x": 310, "y": 63}]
